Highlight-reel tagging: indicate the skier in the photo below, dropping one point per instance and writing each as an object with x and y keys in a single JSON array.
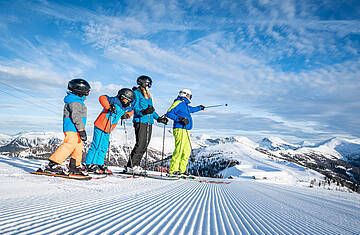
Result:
[
  {"x": 180, "y": 113},
  {"x": 115, "y": 108},
  {"x": 74, "y": 120},
  {"x": 144, "y": 115}
]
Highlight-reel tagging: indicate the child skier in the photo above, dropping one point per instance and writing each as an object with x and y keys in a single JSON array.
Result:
[
  {"x": 144, "y": 115},
  {"x": 74, "y": 120},
  {"x": 115, "y": 108},
  {"x": 180, "y": 113}
]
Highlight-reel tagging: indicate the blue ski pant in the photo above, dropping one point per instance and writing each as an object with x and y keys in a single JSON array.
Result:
[{"x": 99, "y": 147}]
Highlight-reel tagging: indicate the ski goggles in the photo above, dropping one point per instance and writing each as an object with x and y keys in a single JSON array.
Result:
[{"x": 125, "y": 100}]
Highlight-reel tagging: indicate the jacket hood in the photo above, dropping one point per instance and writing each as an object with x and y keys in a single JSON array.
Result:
[{"x": 70, "y": 97}]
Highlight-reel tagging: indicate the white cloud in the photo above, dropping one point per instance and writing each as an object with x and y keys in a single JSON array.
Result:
[
  {"x": 33, "y": 74},
  {"x": 98, "y": 88}
]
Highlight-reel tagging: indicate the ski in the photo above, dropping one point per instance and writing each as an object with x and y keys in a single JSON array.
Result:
[
  {"x": 75, "y": 177},
  {"x": 97, "y": 176},
  {"x": 159, "y": 177},
  {"x": 152, "y": 176},
  {"x": 181, "y": 176},
  {"x": 124, "y": 175},
  {"x": 213, "y": 181},
  {"x": 193, "y": 178}
]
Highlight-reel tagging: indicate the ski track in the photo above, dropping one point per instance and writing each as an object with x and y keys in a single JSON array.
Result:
[{"x": 149, "y": 206}]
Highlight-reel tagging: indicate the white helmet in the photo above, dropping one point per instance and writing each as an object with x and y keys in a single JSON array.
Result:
[{"x": 185, "y": 93}]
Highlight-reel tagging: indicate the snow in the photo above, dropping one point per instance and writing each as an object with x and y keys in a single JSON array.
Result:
[
  {"x": 5, "y": 139},
  {"x": 33, "y": 204}
]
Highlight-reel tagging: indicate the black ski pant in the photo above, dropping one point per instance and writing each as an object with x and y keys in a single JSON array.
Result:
[{"x": 143, "y": 136}]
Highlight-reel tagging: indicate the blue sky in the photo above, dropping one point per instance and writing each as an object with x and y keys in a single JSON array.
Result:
[{"x": 286, "y": 68}]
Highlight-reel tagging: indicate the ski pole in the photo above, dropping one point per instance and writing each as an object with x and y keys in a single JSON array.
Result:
[
  {"x": 213, "y": 106},
  {"x": 191, "y": 154},
  {"x": 109, "y": 136},
  {"x": 163, "y": 151},
  {"x": 126, "y": 145}
]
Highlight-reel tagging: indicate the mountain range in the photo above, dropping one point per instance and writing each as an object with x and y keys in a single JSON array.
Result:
[{"x": 334, "y": 162}]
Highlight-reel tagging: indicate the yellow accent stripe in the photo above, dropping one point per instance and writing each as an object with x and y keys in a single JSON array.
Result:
[{"x": 176, "y": 103}]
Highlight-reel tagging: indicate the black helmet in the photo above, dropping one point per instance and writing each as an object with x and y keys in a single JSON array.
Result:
[
  {"x": 126, "y": 96},
  {"x": 144, "y": 81},
  {"x": 79, "y": 87}
]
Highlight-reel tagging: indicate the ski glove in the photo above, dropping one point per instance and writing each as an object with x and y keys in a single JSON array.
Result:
[
  {"x": 184, "y": 120},
  {"x": 112, "y": 108},
  {"x": 83, "y": 135},
  {"x": 163, "y": 120},
  {"x": 125, "y": 116},
  {"x": 202, "y": 107},
  {"x": 148, "y": 110}
]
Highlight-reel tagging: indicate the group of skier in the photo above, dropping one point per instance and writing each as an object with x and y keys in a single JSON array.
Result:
[{"x": 135, "y": 103}]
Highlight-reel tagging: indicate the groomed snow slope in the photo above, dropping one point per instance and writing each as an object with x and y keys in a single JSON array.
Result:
[{"x": 32, "y": 204}]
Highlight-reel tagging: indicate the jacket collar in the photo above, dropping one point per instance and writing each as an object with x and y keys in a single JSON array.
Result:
[{"x": 183, "y": 99}]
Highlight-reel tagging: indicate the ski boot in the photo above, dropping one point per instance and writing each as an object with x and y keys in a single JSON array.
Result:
[
  {"x": 77, "y": 170},
  {"x": 174, "y": 174},
  {"x": 126, "y": 169},
  {"x": 186, "y": 176},
  {"x": 136, "y": 170},
  {"x": 53, "y": 168},
  {"x": 105, "y": 169},
  {"x": 93, "y": 168}
]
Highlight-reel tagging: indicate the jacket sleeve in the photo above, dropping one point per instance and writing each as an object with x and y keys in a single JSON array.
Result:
[
  {"x": 104, "y": 101},
  {"x": 76, "y": 114},
  {"x": 194, "y": 109},
  {"x": 155, "y": 115}
]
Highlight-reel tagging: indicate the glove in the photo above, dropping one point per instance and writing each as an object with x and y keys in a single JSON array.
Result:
[
  {"x": 148, "y": 110},
  {"x": 163, "y": 120},
  {"x": 202, "y": 107},
  {"x": 125, "y": 116},
  {"x": 184, "y": 120},
  {"x": 83, "y": 135},
  {"x": 112, "y": 108}
]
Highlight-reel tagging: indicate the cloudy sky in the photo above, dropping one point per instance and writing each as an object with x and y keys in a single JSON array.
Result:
[{"x": 285, "y": 68}]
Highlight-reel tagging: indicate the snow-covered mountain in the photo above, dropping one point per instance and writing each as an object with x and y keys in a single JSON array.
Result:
[
  {"x": 345, "y": 149},
  {"x": 30, "y": 140},
  {"x": 336, "y": 158},
  {"x": 339, "y": 148},
  {"x": 276, "y": 143}
]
